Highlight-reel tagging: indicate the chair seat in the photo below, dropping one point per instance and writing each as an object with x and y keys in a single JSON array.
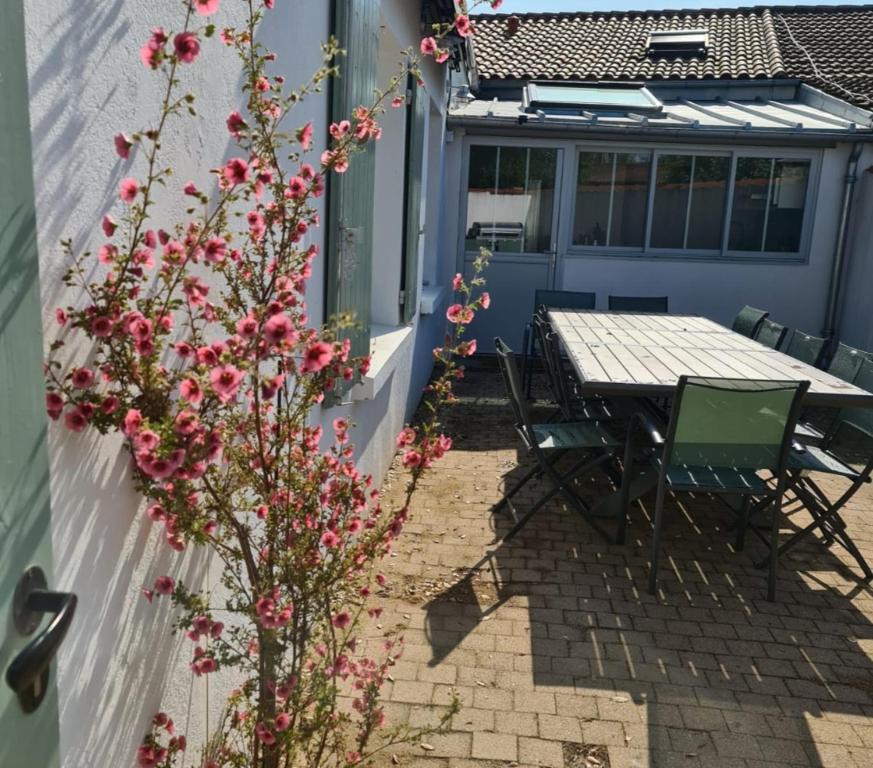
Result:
[
  {"x": 578, "y": 434},
  {"x": 815, "y": 459},
  {"x": 716, "y": 479},
  {"x": 805, "y": 431}
]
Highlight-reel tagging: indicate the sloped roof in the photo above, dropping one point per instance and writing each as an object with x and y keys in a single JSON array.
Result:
[{"x": 830, "y": 47}]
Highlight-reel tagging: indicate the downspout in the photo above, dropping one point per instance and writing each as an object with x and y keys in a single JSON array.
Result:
[{"x": 838, "y": 268}]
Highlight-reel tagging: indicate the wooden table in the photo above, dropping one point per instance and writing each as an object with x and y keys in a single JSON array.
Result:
[{"x": 643, "y": 355}]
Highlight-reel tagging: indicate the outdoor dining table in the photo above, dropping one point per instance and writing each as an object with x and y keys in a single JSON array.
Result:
[{"x": 643, "y": 355}]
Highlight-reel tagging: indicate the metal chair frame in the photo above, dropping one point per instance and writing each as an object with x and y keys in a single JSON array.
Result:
[{"x": 748, "y": 320}]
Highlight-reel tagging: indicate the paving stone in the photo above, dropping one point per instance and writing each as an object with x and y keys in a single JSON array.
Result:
[{"x": 495, "y": 746}]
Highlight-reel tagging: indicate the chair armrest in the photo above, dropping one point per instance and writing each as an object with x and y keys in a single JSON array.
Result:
[{"x": 643, "y": 422}]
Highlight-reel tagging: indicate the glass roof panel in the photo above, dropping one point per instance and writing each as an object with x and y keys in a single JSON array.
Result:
[{"x": 592, "y": 96}]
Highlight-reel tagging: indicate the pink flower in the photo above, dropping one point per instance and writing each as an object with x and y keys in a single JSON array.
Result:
[
  {"x": 76, "y": 420},
  {"x": 265, "y": 735},
  {"x": 304, "y": 136},
  {"x": 341, "y": 620},
  {"x": 190, "y": 189},
  {"x": 54, "y": 405},
  {"x": 467, "y": 348},
  {"x": 282, "y": 722},
  {"x": 457, "y": 282},
  {"x": 457, "y": 313},
  {"x": 164, "y": 585},
  {"x": 338, "y": 130},
  {"x": 247, "y": 326},
  {"x": 109, "y": 226},
  {"x": 109, "y": 405},
  {"x": 61, "y": 316},
  {"x": 128, "y": 190},
  {"x": 132, "y": 422},
  {"x": 226, "y": 380},
  {"x": 107, "y": 253},
  {"x": 463, "y": 26},
  {"x": 123, "y": 145},
  {"x": 486, "y": 300},
  {"x": 146, "y": 440},
  {"x": 101, "y": 327},
  {"x": 236, "y": 124},
  {"x": 82, "y": 378},
  {"x": 190, "y": 390},
  {"x": 316, "y": 357},
  {"x": 187, "y": 46},
  {"x": 406, "y": 437},
  {"x": 236, "y": 171},
  {"x": 279, "y": 329},
  {"x": 329, "y": 539},
  {"x": 215, "y": 250},
  {"x": 412, "y": 459},
  {"x": 206, "y": 7},
  {"x": 429, "y": 46},
  {"x": 152, "y": 53},
  {"x": 296, "y": 188}
]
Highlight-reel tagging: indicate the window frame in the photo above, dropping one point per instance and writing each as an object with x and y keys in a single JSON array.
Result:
[{"x": 813, "y": 155}]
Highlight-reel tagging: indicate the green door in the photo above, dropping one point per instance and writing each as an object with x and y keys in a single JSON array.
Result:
[{"x": 26, "y": 740}]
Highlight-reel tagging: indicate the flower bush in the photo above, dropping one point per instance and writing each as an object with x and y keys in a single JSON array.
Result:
[{"x": 202, "y": 355}]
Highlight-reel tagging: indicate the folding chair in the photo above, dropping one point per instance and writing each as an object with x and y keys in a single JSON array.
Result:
[
  {"x": 808, "y": 349},
  {"x": 638, "y": 303},
  {"x": 771, "y": 334},
  {"x": 551, "y": 300},
  {"x": 548, "y": 443},
  {"x": 722, "y": 432},
  {"x": 805, "y": 460},
  {"x": 572, "y": 405},
  {"x": 748, "y": 320}
]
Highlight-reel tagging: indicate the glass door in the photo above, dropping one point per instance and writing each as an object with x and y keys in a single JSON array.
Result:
[{"x": 511, "y": 209}]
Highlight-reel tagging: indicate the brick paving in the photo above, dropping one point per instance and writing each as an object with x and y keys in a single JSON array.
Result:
[{"x": 561, "y": 658}]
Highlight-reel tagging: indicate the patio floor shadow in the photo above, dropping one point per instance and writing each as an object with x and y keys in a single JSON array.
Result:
[{"x": 561, "y": 658}]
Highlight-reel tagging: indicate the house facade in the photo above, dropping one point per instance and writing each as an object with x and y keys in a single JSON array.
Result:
[
  {"x": 75, "y": 75},
  {"x": 714, "y": 157}
]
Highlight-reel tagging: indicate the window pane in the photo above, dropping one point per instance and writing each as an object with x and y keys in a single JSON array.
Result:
[
  {"x": 787, "y": 199},
  {"x": 593, "y": 187},
  {"x": 751, "y": 189},
  {"x": 481, "y": 186},
  {"x": 672, "y": 188},
  {"x": 510, "y": 199},
  {"x": 630, "y": 198},
  {"x": 709, "y": 191}
]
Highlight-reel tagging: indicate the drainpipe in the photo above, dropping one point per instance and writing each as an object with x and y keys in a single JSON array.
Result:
[{"x": 838, "y": 268}]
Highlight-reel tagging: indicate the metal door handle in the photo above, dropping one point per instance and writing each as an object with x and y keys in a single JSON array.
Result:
[{"x": 27, "y": 675}]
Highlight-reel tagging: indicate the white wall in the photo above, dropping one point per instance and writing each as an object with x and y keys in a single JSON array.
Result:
[{"x": 118, "y": 666}]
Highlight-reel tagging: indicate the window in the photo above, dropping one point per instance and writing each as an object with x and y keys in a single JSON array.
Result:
[
  {"x": 768, "y": 203},
  {"x": 511, "y": 199},
  {"x": 612, "y": 190},
  {"x": 718, "y": 203},
  {"x": 678, "y": 41},
  {"x": 596, "y": 96},
  {"x": 690, "y": 193}
]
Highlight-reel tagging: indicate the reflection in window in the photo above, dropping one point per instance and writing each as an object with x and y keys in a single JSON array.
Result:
[
  {"x": 611, "y": 198},
  {"x": 689, "y": 201},
  {"x": 510, "y": 199},
  {"x": 768, "y": 204}
]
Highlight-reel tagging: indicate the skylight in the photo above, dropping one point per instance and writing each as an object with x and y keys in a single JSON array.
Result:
[
  {"x": 595, "y": 97},
  {"x": 678, "y": 41}
]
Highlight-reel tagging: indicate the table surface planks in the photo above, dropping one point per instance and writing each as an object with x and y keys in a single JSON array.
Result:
[{"x": 635, "y": 354}]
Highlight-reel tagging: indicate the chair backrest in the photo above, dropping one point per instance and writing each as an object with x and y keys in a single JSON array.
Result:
[
  {"x": 512, "y": 379},
  {"x": 733, "y": 423},
  {"x": 846, "y": 362},
  {"x": 771, "y": 334},
  {"x": 806, "y": 348},
  {"x": 638, "y": 303},
  {"x": 748, "y": 320},
  {"x": 563, "y": 299},
  {"x": 543, "y": 330},
  {"x": 860, "y": 418}
]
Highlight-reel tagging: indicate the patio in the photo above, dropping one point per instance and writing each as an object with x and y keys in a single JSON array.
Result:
[{"x": 561, "y": 658}]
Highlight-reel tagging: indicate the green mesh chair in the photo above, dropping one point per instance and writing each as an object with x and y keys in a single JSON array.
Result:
[
  {"x": 771, "y": 334},
  {"x": 808, "y": 349},
  {"x": 806, "y": 461},
  {"x": 639, "y": 304},
  {"x": 572, "y": 404},
  {"x": 550, "y": 300},
  {"x": 722, "y": 433},
  {"x": 548, "y": 443},
  {"x": 748, "y": 320}
]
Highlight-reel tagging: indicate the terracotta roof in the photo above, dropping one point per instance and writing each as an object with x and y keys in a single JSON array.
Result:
[{"x": 771, "y": 42}]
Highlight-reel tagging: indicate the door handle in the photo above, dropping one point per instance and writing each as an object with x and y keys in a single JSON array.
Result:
[{"x": 28, "y": 674}]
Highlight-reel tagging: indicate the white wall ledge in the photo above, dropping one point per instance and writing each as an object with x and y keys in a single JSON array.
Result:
[
  {"x": 431, "y": 297},
  {"x": 388, "y": 347}
]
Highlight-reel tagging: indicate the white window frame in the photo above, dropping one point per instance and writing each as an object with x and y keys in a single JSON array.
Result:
[{"x": 813, "y": 155}]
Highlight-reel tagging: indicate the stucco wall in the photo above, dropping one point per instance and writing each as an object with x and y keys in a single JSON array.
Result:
[{"x": 118, "y": 665}]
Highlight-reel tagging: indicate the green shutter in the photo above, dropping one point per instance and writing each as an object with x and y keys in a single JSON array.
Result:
[
  {"x": 350, "y": 211},
  {"x": 415, "y": 142}
]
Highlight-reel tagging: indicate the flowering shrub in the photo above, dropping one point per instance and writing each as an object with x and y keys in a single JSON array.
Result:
[{"x": 204, "y": 359}]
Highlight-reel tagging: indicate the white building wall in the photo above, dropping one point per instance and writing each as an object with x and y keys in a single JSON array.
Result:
[{"x": 119, "y": 664}]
